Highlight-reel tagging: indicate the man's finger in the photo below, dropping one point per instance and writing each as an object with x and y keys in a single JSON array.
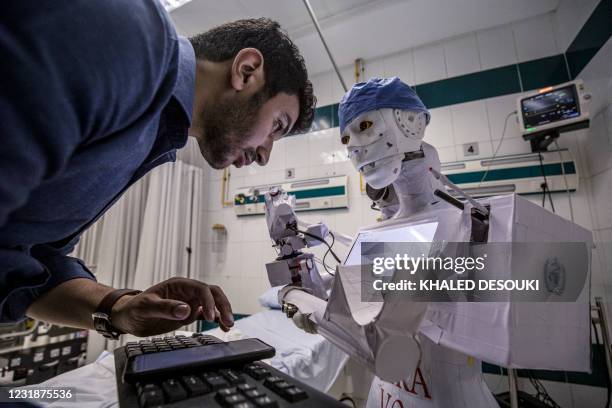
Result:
[
  {"x": 220, "y": 323},
  {"x": 167, "y": 309},
  {"x": 225, "y": 309},
  {"x": 208, "y": 302}
]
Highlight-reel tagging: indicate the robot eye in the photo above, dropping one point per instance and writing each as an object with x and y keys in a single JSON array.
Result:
[
  {"x": 366, "y": 124},
  {"x": 345, "y": 139}
]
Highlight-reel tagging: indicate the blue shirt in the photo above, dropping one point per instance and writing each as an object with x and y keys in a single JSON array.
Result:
[{"x": 93, "y": 95}]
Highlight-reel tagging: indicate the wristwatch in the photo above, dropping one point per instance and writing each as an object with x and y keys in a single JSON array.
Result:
[{"x": 102, "y": 316}]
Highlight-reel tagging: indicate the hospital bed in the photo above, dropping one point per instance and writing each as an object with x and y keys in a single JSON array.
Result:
[{"x": 307, "y": 357}]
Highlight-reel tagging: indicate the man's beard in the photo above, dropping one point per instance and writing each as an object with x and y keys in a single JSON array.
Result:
[{"x": 226, "y": 127}]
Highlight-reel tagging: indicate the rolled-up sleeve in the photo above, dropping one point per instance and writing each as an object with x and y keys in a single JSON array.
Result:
[{"x": 27, "y": 278}]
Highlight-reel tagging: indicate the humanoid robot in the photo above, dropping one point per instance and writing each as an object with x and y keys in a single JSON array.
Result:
[{"x": 411, "y": 347}]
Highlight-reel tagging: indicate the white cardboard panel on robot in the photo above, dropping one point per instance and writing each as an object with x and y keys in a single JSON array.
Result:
[{"x": 554, "y": 336}]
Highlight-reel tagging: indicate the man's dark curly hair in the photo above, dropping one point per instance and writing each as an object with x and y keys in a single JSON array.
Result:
[{"x": 284, "y": 67}]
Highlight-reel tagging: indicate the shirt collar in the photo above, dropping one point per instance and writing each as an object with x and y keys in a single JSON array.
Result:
[{"x": 185, "y": 82}]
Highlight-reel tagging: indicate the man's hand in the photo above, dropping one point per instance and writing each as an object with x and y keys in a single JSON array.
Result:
[
  {"x": 161, "y": 308},
  {"x": 169, "y": 305}
]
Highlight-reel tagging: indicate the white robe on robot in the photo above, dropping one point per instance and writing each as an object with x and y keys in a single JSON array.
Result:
[{"x": 445, "y": 378}]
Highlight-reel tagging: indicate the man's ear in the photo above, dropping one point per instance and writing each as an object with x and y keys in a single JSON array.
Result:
[{"x": 247, "y": 70}]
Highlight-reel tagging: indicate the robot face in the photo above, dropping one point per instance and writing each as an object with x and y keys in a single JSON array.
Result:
[{"x": 377, "y": 140}]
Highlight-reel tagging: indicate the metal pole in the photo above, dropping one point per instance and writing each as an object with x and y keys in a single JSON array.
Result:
[
  {"x": 513, "y": 388},
  {"x": 453, "y": 186},
  {"x": 329, "y": 54}
]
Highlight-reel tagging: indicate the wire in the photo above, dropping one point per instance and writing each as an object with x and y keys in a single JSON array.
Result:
[
  {"x": 484, "y": 176},
  {"x": 325, "y": 266},
  {"x": 569, "y": 195},
  {"x": 349, "y": 399},
  {"x": 321, "y": 240},
  {"x": 327, "y": 252},
  {"x": 542, "y": 394},
  {"x": 545, "y": 185}
]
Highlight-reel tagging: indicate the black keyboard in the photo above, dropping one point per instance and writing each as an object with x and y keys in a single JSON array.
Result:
[{"x": 251, "y": 385}]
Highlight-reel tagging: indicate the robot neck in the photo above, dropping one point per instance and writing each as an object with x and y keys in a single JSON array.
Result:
[{"x": 414, "y": 188}]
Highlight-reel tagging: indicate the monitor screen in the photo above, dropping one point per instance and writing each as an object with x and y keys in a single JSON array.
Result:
[
  {"x": 549, "y": 107},
  {"x": 403, "y": 233}
]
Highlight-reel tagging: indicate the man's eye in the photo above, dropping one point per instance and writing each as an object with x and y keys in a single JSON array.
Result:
[
  {"x": 345, "y": 139},
  {"x": 364, "y": 125}
]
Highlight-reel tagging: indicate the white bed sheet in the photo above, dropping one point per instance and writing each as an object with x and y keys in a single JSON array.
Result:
[{"x": 307, "y": 357}]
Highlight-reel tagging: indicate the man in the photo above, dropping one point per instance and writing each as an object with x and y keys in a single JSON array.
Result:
[{"x": 93, "y": 95}]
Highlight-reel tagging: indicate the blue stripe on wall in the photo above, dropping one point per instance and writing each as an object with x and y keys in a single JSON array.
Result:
[
  {"x": 470, "y": 87},
  {"x": 593, "y": 35},
  {"x": 553, "y": 169}
]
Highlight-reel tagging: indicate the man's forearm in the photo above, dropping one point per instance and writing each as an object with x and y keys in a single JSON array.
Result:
[{"x": 70, "y": 304}]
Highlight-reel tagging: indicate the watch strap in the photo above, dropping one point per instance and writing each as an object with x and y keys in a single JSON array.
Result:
[
  {"x": 102, "y": 316},
  {"x": 108, "y": 301}
]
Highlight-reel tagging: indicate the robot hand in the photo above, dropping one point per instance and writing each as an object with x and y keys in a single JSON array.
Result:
[
  {"x": 304, "y": 309},
  {"x": 302, "y": 321}
]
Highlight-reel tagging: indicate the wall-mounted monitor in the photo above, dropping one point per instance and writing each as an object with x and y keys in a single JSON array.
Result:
[{"x": 552, "y": 110}]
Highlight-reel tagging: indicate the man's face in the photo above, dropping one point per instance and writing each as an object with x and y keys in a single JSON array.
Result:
[{"x": 240, "y": 130}]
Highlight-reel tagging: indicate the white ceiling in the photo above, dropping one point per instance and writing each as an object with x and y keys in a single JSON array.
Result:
[{"x": 362, "y": 28}]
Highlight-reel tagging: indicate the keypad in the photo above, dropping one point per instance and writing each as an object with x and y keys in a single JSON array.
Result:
[
  {"x": 252, "y": 386},
  {"x": 158, "y": 344}
]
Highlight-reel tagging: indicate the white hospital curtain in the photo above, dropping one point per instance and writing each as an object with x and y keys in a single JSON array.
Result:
[
  {"x": 171, "y": 226},
  {"x": 120, "y": 238},
  {"x": 109, "y": 247}
]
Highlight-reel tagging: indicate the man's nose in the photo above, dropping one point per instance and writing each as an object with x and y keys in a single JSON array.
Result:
[
  {"x": 263, "y": 155},
  {"x": 263, "y": 152}
]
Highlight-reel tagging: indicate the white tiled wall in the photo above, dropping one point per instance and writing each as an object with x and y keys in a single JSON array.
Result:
[
  {"x": 496, "y": 47},
  {"x": 462, "y": 55},
  {"x": 597, "y": 154},
  {"x": 535, "y": 38},
  {"x": 430, "y": 63}
]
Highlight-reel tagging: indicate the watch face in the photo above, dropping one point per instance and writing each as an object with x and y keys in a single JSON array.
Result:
[
  {"x": 101, "y": 322},
  {"x": 102, "y": 325}
]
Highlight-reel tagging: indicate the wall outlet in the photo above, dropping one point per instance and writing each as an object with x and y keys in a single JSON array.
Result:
[
  {"x": 470, "y": 149},
  {"x": 289, "y": 173}
]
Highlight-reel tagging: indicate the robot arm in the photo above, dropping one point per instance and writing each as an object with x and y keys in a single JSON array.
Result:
[
  {"x": 284, "y": 227},
  {"x": 294, "y": 267}
]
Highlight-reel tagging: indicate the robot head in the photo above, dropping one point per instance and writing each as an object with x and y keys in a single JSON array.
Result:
[{"x": 381, "y": 121}]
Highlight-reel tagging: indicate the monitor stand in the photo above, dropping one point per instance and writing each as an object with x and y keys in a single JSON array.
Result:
[{"x": 539, "y": 141}]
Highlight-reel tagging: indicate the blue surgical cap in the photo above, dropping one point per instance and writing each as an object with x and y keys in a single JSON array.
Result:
[{"x": 378, "y": 93}]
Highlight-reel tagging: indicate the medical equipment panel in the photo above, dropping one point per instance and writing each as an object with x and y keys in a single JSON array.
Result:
[
  {"x": 312, "y": 194},
  {"x": 549, "y": 107},
  {"x": 517, "y": 173},
  {"x": 545, "y": 113}
]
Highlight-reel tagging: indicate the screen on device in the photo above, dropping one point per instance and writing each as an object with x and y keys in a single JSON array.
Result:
[
  {"x": 177, "y": 358},
  {"x": 405, "y": 233},
  {"x": 549, "y": 107}
]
